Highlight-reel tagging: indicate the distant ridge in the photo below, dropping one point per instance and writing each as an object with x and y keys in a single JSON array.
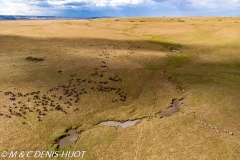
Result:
[
  {"x": 16, "y": 17},
  {"x": 13, "y": 17}
]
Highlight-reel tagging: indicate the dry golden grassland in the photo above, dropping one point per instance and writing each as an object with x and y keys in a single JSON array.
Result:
[{"x": 138, "y": 50}]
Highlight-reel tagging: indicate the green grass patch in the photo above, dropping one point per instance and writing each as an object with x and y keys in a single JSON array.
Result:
[
  {"x": 135, "y": 26},
  {"x": 34, "y": 59},
  {"x": 181, "y": 20},
  {"x": 58, "y": 135},
  {"x": 159, "y": 40},
  {"x": 176, "y": 60},
  {"x": 153, "y": 67},
  {"x": 68, "y": 23},
  {"x": 77, "y": 126}
]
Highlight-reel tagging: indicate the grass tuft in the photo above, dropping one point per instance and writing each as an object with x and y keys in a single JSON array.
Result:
[{"x": 35, "y": 59}]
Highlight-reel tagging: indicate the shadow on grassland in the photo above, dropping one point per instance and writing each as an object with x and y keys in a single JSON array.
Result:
[
  {"x": 194, "y": 68},
  {"x": 78, "y": 43}
]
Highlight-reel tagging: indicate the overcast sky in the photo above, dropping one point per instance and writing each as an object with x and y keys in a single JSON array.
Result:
[{"x": 120, "y": 8}]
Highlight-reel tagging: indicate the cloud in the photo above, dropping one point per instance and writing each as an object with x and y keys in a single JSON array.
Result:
[
  {"x": 160, "y": 0},
  {"x": 100, "y": 3},
  {"x": 200, "y": 4},
  {"x": 118, "y": 7},
  {"x": 41, "y": 6},
  {"x": 25, "y": 7}
]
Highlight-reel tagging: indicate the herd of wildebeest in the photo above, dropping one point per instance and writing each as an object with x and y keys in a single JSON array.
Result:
[{"x": 62, "y": 97}]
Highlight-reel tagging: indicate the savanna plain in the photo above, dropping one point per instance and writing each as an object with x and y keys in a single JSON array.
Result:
[{"x": 58, "y": 75}]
